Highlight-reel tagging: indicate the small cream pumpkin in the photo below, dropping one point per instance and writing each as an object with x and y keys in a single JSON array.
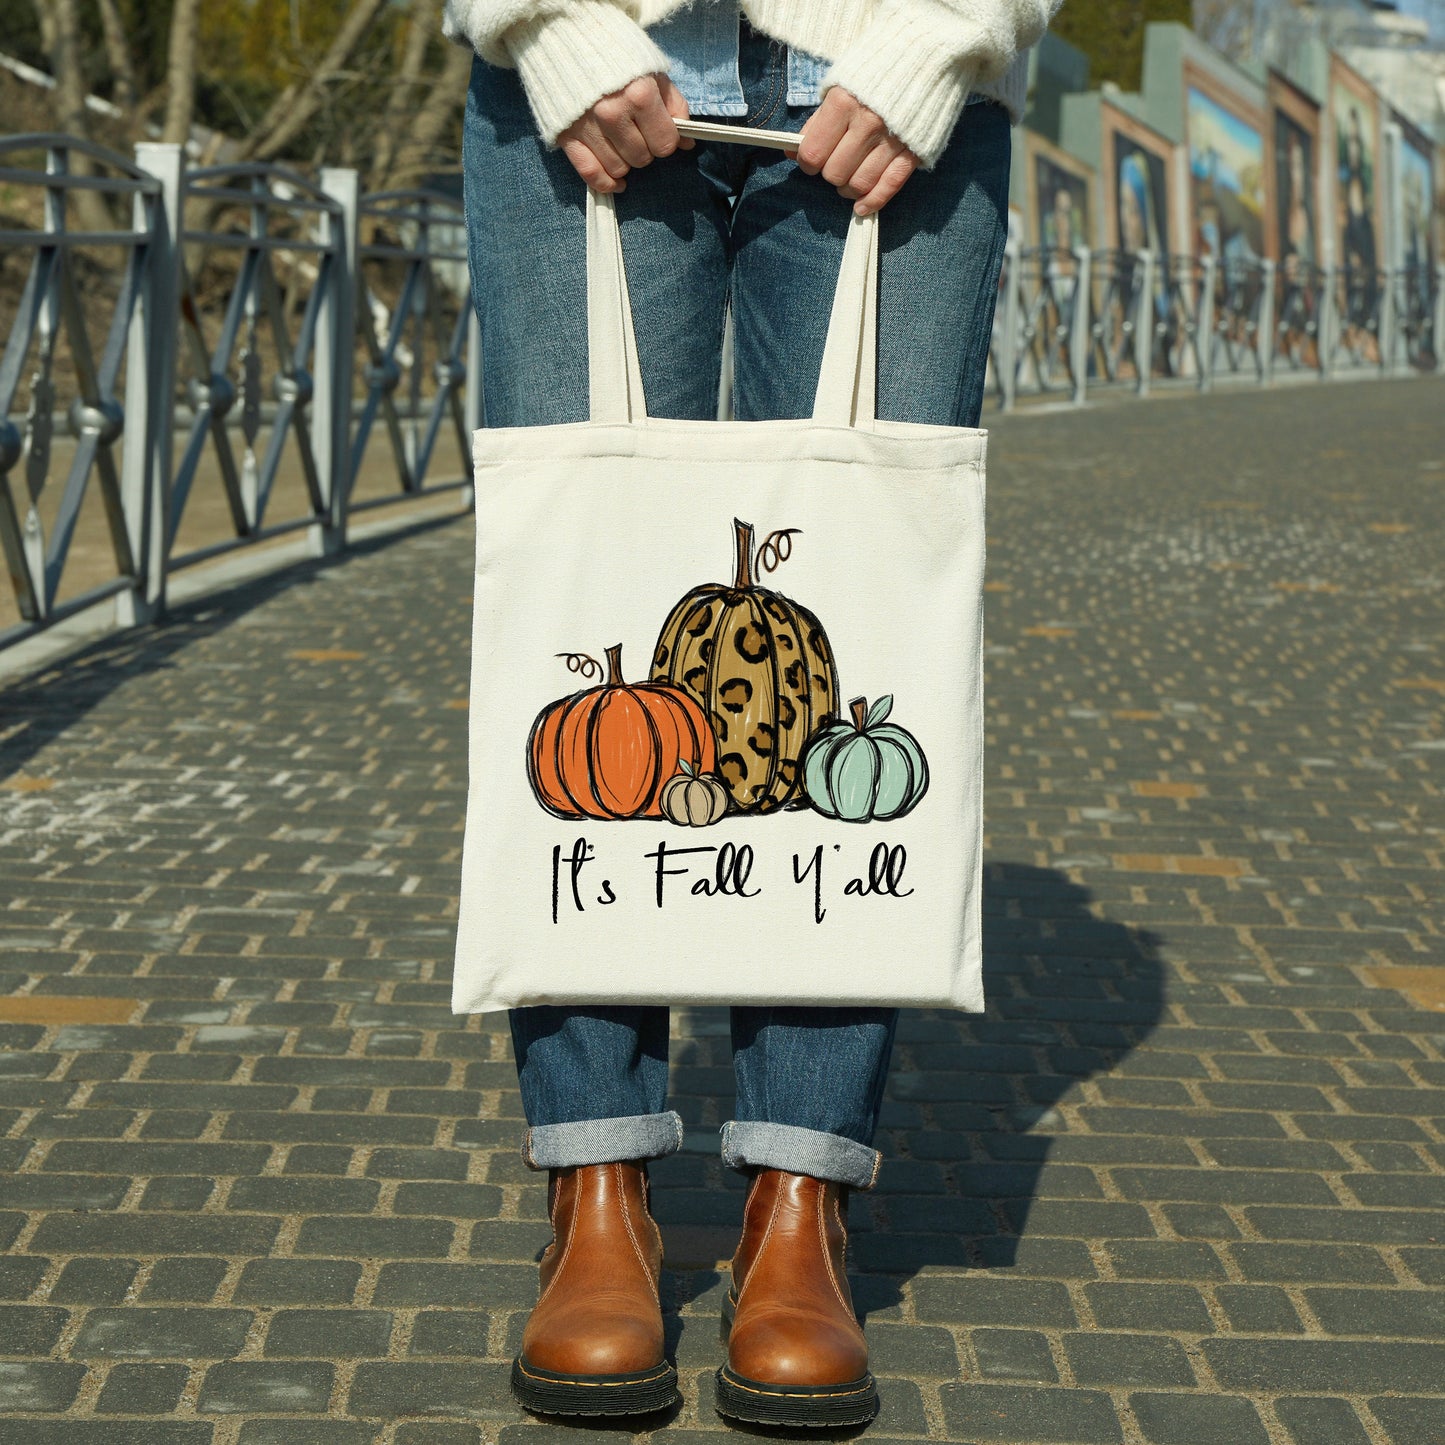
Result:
[{"x": 693, "y": 799}]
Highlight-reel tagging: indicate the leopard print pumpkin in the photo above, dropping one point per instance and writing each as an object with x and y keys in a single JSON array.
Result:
[{"x": 763, "y": 670}]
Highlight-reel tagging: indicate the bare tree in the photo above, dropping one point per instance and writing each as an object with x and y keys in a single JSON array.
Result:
[
  {"x": 299, "y": 104},
  {"x": 445, "y": 96},
  {"x": 60, "y": 28},
  {"x": 181, "y": 72},
  {"x": 423, "y": 24},
  {"x": 117, "y": 55},
  {"x": 60, "y": 31}
]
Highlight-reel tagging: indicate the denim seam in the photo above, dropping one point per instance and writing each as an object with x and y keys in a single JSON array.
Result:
[{"x": 779, "y": 79}]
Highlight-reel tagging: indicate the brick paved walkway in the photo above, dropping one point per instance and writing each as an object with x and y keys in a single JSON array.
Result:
[{"x": 1185, "y": 1182}]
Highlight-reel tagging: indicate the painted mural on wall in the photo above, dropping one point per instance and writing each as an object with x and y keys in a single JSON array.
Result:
[
  {"x": 1136, "y": 206},
  {"x": 1297, "y": 240},
  {"x": 1226, "y": 173},
  {"x": 1061, "y": 193},
  {"x": 1414, "y": 227},
  {"x": 1355, "y": 131}
]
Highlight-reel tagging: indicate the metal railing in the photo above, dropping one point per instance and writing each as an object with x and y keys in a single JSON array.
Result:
[
  {"x": 245, "y": 297},
  {"x": 1072, "y": 321}
]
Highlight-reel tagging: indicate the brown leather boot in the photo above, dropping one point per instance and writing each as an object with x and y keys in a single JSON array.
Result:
[
  {"x": 796, "y": 1352},
  {"x": 594, "y": 1343}
]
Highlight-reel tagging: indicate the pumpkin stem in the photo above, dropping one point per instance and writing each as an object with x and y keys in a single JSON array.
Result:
[
  {"x": 614, "y": 666},
  {"x": 744, "y": 534},
  {"x": 858, "y": 707}
]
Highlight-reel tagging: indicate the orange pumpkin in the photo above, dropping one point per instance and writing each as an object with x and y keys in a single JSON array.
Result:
[{"x": 609, "y": 751}]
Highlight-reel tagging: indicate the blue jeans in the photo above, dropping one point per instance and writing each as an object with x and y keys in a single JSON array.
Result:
[{"x": 699, "y": 228}]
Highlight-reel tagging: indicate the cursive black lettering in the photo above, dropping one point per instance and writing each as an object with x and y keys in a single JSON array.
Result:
[{"x": 815, "y": 867}]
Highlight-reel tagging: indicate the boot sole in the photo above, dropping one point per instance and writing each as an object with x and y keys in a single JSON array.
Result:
[
  {"x": 642, "y": 1393},
  {"x": 799, "y": 1406}
]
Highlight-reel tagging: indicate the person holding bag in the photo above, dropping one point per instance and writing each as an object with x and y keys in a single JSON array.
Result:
[{"x": 860, "y": 348}]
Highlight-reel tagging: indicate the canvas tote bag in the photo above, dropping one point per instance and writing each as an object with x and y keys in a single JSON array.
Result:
[{"x": 726, "y": 694}]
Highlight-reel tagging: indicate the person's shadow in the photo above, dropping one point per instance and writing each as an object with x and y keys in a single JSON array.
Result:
[{"x": 970, "y": 1117}]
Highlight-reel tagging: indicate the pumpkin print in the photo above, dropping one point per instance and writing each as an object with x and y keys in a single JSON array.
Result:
[
  {"x": 694, "y": 800},
  {"x": 609, "y": 751},
  {"x": 761, "y": 667},
  {"x": 867, "y": 770}
]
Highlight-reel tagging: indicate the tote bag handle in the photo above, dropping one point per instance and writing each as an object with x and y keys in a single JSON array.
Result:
[{"x": 848, "y": 379}]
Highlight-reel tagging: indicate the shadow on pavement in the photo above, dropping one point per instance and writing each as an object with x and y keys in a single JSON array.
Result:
[
  {"x": 39, "y": 706},
  {"x": 1070, "y": 995}
]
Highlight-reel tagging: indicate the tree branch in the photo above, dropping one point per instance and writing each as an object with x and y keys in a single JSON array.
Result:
[{"x": 297, "y": 106}]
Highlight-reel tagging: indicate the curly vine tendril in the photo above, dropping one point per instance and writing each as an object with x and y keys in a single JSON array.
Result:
[
  {"x": 579, "y": 662},
  {"x": 777, "y": 547}
]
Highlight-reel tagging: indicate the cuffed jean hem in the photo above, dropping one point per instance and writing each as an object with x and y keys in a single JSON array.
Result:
[
  {"x": 602, "y": 1141},
  {"x": 800, "y": 1151}
]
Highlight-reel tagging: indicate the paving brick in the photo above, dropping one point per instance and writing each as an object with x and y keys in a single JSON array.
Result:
[
  {"x": 1198, "y": 1420},
  {"x": 418, "y": 1164},
  {"x": 298, "y": 1282},
  {"x": 1354, "y": 1366},
  {"x": 1427, "y": 1265},
  {"x": 1318, "y": 1420},
  {"x": 1274, "y": 1154},
  {"x": 1050, "y": 1258},
  {"x": 94, "y": 1281},
  {"x": 20, "y": 1275},
  {"x": 142, "y": 1389},
  {"x": 1149, "y": 1307},
  {"x": 375, "y": 1238},
  {"x": 291, "y": 1431},
  {"x": 39, "y": 1385},
  {"x": 385, "y": 1389},
  {"x": 457, "y": 1201},
  {"x": 303, "y": 1196},
  {"x": 1039, "y": 1416},
  {"x": 1230, "y": 1186},
  {"x": 428, "y": 1432},
  {"x": 983, "y": 1301},
  {"x": 1127, "y": 1359},
  {"x": 1406, "y": 1313},
  {"x": 247, "y": 1386},
  {"x": 184, "y": 1280},
  {"x": 1373, "y": 1226},
  {"x": 137, "y": 1332},
  {"x": 108, "y": 1431},
  {"x": 1411, "y": 1421},
  {"x": 153, "y": 1234},
  {"x": 1013, "y": 1355},
  {"x": 1258, "y": 1309},
  {"x": 1164, "y": 1259},
  {"x": 457, "y": 1284},
  {"x": 453, "y": 1332},
  {"x": 328, "y": 1333},
  {"x": 30, "y": 1329}
]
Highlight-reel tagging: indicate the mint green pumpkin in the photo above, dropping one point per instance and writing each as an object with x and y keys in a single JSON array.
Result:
[{"x": 864, "y": 771}]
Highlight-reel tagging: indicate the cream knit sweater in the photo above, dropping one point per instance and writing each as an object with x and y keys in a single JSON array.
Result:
[{"x": 913, "y": 61}]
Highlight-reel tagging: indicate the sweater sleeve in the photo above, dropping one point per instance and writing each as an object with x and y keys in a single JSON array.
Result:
[
  {"x": 569, "y": 53},
  {"x": 916, "y": 61}
]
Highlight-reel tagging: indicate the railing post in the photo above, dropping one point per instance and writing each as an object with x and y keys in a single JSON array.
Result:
[
  {"x": 1265, "y": 325},
  {"x": 1204, "y": 322},
  {"x": 1437, "y": 336},
  {"x": 1080, "y": 322},
  {"x": 1144, "y": 322},
  {"x": 1326, "y": 331},
  {"x": 147, "y": 453},
  {"x": 335, "y": 357},
  {"x": 1387, "y": 316},
  {"x": 1008, "y": 344}
]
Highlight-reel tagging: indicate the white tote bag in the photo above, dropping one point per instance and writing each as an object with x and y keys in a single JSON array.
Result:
[{"x": 726, "y": 723}]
